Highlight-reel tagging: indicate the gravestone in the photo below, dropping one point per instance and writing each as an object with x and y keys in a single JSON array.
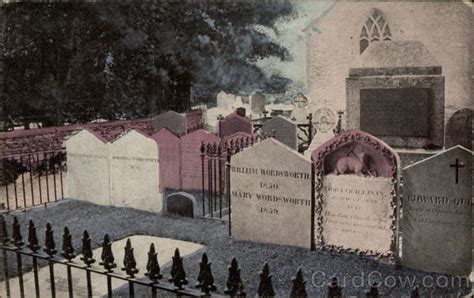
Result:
[
  {"x": 437, "y": 213},
  {"x": 224, "y": 100},
  {"x": 233, "y": 123},
  {"x": 169, "y": 148},
  {"x": 88, "y": 168},
  {"x": 181, "y": 203},
  {"x": 271, "y": 195},
  {"x": 324, "y": 122},
  {"x": 257, "y": 102},
  {"x": 299, "y": 112},
  {"x": 283, "y": 130},
  {"x": 172, "y": 121},
  {"x": 191, "y": 162},
  {"x": 459, "y": 129},
  {"x": 356, "y": 182},
  {"x": 134, "y": 172}
]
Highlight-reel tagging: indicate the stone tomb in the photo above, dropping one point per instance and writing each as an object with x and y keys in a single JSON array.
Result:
[
  {"x": 169, "y": 148},
  {"x": 437, "y": 213},
  {"x": 395, "y": 91},
  {"x": 191, "y": 162},
  {"x": 271, "y": 195},
  {"x": 172, "y": 121},
  {"x": 355, "y": 184},
  {"x": 134, "y": 172},
  {"x": 88, "y": 168},
  {"x": 283, "y": 130},
  {"x": 181, "y": 203},
  {"x": 233, "y": 123}
]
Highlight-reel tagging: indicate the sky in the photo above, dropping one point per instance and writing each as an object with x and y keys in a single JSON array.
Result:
[{"x": 291, "y": 35}]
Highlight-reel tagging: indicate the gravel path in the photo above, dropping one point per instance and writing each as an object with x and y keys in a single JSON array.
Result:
[{"x": 284, "y": 261}]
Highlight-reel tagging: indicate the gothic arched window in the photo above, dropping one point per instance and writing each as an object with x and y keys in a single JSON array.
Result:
[{"x": 374, "y": 29}]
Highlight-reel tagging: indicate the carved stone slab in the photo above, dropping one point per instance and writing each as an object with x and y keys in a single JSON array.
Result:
[{"x": 356, "y": 194}]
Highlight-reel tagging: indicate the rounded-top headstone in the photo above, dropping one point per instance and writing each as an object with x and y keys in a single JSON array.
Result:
[
  {"x": 181, "y": 203},
  {"x": 459, "y": 129}
]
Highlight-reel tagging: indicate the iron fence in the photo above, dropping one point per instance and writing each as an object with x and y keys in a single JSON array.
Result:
[
  {"x": 33, "y": 179},
  {"x": 153, "y": 278}
]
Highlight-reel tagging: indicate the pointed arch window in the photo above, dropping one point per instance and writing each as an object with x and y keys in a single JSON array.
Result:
[{"x": 375, "y": 28}]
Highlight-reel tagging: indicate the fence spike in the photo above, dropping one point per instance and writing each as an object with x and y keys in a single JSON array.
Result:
[
  {"x": 107, "y": 255},
  {"x": 234, "y": 283},
  {"x": 87, "y": 256},
  {"x": 334, "y": 291},
  {"x": 203, "y": 148},
  {"x": 3, "y": 230},
  {"x": 265, "y": 287},
  {"x": 50, "y": 246},
  {"x": 152, "y": 266},
  {"x": 129, "y": 263},
  {"x": 299, "y": 287},
  {"x": 415, "y": 293},
  {"x": 373, "y": 292},
  {"x": 16, "y": 234},
  {"x": 68, "y": 250},
  {"x": 33, "y": 242},
  {"x": 178, "y": 276},
  {"x": 205, "y": 278}
]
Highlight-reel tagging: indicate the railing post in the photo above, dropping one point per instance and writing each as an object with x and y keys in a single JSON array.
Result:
[
  {"x": 34, "y": 247},
  {"x": 227, "y": 172},
  {"x": 203, "y": 151},
  {"x": 3, "y": 241},
  {"x": 17, "y": 241}
]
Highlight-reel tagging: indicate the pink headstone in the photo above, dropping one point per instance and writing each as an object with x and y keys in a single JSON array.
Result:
[
  {"x": 233, "y": 123},
  {"x": 191, "y": 167},
  {"x": 169, "y": 151},
  {"x": 377, "y": 157}
]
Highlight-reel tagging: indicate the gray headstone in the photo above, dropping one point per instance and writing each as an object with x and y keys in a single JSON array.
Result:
[
  {"x": 437, "y": 213},
  {"x": 271, "y": 195},
  {"x": 285, "y": 131},
  {"x": 459, "y": 129},
  {"x": 181, "y": 203},
  {"x": 171, "y": 120}
]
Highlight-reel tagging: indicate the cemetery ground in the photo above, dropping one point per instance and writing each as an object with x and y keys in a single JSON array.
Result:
[{"x": 354, "y": 272}]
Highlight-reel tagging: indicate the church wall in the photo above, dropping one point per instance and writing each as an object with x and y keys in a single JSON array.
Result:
[{"x": 444, "y": 28}]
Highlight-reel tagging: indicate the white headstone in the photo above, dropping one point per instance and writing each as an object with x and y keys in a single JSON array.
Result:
[
  {"x": 88, "y": 168},
  {"x": 271, "y": 195},
  {"x": 134, "y": 172}
]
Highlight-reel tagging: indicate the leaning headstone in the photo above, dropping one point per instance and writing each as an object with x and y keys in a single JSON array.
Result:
[
  {"x": 356, "y": 177},
  {"x": 234, "y": 123},
  {"x": 437, "y": 213},
  {"x": 459, "y": 129},
  {"x": 181, "y": 203},
  {"x": 172, "y": 121},
  {"x": 134, "y": 172},
  {"x": 271, "y": 195},
  {"x": 191, "y": 162},
  {"x": 88, "y": 168},
  {"x": 169, "y": 148},
  {"x": 283, "y": 130}
]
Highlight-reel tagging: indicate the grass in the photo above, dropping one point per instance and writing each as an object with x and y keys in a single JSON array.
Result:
[{"x": 284, "y": 261}]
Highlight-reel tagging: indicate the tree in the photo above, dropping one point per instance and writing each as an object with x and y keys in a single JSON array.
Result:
[{"x": 74, "y": 62}]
